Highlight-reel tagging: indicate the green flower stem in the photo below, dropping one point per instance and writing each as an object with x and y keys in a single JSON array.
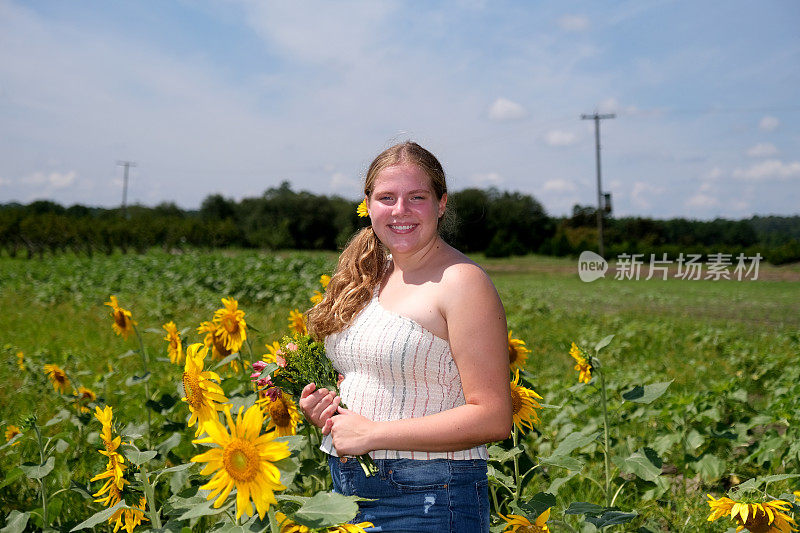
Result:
[
  {"x": 143, "y": 353},
  {"x": 150, "y": 494},
  {"x": 42, "y": 486},
  {"x": 604, "y": 403},
  {"x": 517, "y": 480},
  {"x": 493, "y": 491},
  {"x": 273, "y": 523},
  {"x": 246, "y": 368}
]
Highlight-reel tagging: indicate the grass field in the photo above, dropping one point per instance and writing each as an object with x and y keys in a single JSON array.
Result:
[{"x": 730, "y": 348}]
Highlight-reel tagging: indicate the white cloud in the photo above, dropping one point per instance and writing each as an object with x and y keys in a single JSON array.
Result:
[
  {"x": 560, "y": 138},
  {"x": 56, "y": 180},
  {"x": 504, "y": 109},
  {"x": 762, "y": 150},
  {"x": 559, "y": 185},
  {"x": 573, "y": 23},
  {"x": 713, "y": 174},
  {"x": 701, "y": 200},
  {"x": 343, "y": 184},
  {"x": 487, "y": 179},
  {"x": 769, "y": 123},
  {"x": 769, "y": 169},
  {"x": 641, "y": 193}
]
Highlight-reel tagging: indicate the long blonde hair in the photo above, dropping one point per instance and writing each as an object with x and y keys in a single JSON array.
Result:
[{"x": 363, "y": 261}]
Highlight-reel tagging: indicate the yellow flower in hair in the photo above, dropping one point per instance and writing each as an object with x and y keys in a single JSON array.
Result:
[
  {"x": 21, "y": 361},
  {"x": 362, "y": 209}
]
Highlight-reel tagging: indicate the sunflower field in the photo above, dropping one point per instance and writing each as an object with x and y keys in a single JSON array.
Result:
[{"x": 136, "y": 394}]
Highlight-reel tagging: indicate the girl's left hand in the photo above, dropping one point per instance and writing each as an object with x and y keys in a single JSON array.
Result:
[{"x": 351, "y": 432}]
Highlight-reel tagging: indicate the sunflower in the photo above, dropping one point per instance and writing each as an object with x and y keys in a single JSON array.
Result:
[
  {"x": 115, "y": 468},
  {"x": 362, "y": 210},
  {"x": 123, "y": 323},
  {"x": 520, "y": 524},
  {"x": 763, "y": 517},
  {"x": 202, "y": 394},
  {"x": 583, "y": 366},
  {"x": 243, "y": 459},
  {"x": 323, "y": 280},
  {"x": 11, "y": 432},
  {"x": 283, "y": 414},
  {"x": 83, "y": 396},
  {"x": 175, "y": 348},
  {"x": 297, "y": 322},
  {"x": 21, "y": 361},
  {"x": 350, "y": 528},
  {"x": 214, "y": 340},
  {"x": 58, "y": 377},
  {"x": 232, "y": 328},
  {"x": 287, "y": 526},
  {"x": 524, "y": 404},
  {"x": 517, "y": 352},
  {"x": 128, "y": 519}
]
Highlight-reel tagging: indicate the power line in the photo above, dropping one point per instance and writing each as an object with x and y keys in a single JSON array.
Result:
[
  {"x": 597, "y": 118},
  {"x": 127, "y": 165}
]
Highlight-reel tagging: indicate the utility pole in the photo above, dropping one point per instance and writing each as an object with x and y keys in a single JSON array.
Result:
[
  {"x": 127, "y": 165},
  {"x": 597, "y": 118}
]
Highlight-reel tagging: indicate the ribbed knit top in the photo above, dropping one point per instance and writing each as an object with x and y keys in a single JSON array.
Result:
[{"x": 393, "y": 369}]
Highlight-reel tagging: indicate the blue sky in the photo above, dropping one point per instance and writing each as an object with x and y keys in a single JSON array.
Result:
[{"x": 235, "y": 96}]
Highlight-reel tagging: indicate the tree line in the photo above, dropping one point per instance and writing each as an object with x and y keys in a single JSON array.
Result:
[{"x": 496, "y": 223}]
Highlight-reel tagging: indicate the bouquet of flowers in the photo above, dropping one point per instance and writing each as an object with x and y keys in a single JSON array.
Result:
[{"x": 301, "y": 360}]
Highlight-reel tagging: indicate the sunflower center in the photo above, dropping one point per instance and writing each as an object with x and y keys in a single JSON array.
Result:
[
  {"x": 241, "y": 460},
  {"x": 512, "y": 354},
  {"x": 516, "y": 402},
  {"x": 279, "y": 413},
  {"x": 230, "y": 324},
  {"x": 757, "y": 522},
  {"x": 120, "y": 319},
  {"x": 191, "y": 387},
  {"x": 220, "y": 347}
]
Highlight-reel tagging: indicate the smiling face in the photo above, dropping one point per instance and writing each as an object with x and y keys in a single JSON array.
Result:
[{"x": 404, "y": 209}]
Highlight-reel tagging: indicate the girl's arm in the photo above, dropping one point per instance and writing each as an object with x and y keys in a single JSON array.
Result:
[{"x": 477, "y": 332}]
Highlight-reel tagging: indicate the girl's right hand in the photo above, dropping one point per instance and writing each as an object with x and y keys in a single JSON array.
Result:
[{"x": 319, "y": 406}]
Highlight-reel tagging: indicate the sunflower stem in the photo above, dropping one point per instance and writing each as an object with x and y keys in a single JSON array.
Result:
[
  {"x": 274, "y": 527},
  {"x": 150, "y": 494},
  {"x": 517, "y": 480},
  {"x": 42, "y": 486},
  {"x": 143, "y": 353},
  {"x": 603, "y": 401}
]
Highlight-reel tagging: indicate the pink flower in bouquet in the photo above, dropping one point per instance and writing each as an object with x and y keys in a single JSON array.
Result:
[
  {"x": 280, "y": 360},
  {"x": 258, "y": 366},
  {"x": 292, "y": 347}
]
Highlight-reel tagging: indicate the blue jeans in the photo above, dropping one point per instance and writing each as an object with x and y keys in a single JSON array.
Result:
[{"x": 417, "y": 496}]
